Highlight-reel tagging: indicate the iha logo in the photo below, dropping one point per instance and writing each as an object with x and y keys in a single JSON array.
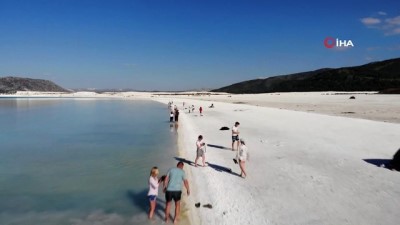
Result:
[{"x": 331, "y": 42}]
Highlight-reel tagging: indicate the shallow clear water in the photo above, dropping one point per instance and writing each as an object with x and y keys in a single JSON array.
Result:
[{"x": 81, "y": 161}]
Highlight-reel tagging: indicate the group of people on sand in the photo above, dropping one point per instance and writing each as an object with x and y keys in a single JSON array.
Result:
[
  {"x": 175, "y": 177},
  {"x": 242, "y": 153},
  {"x": 191, "y": 109},
  {"x": 174, "y": 114},
  {"x": 172, "y": 187}
]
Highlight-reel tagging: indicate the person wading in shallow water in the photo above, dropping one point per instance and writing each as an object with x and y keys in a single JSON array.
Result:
[
  {"x": 153, "y": 189},
  {"x": 173, "y": 190},
  {"x": 176, "y": 115}
]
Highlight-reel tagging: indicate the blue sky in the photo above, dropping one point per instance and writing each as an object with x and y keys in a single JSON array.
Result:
[{"x": 180, "y": 45}]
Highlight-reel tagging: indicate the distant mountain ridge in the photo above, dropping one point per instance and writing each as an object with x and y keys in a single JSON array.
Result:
[
  {"x": 376, "y": 76},
  {"x": 10, "y": 85}
]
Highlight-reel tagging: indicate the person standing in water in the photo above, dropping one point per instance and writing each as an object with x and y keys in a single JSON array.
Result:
[
  {"x": 176, "y": 115},
  {"x": 173, "y": 190},
  {"x": 171, "y": 117},
  {"x": 153, "y": 190}
]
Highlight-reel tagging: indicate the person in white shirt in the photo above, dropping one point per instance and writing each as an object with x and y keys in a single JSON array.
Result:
[
  {"x": 200, "y": 150},
  {"x": 243, "y": 156},
  {"x": 235, "y": 135},
  {"x": 153, "y": 190}
]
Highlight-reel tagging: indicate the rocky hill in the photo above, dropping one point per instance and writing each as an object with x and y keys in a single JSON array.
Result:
[
  {"x": 10, "y": 85},
  {"x": 376, "y": 76}
]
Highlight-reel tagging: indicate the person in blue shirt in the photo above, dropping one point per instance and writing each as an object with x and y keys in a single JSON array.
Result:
[{"x": 173, "y": 189}]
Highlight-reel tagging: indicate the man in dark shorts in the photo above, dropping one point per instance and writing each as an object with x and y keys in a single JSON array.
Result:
[
  {"x": 173, "y": 189},
  {"x": 235, "y": 136},
  {"x": 176, "y": 115}
]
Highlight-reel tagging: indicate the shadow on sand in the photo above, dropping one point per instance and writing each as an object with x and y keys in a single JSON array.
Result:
[
  {"x": 190, "y": 163},
  {"x": 222, "y": 169},
  {"x": 211, "y": 165},
  {"x": 140, "y": 200},
  {"x": 218, "y": 146},
  {"x": 383, "y": 163}
]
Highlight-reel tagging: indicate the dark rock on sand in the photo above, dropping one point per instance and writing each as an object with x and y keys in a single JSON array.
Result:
[
  {"x": 395, "y": 163},
  {"x": 207, "y": 206},
  {"x": 224, "y": 128}
]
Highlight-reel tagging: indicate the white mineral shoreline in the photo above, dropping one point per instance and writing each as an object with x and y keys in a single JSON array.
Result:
[{"x": 306, "y": 167}]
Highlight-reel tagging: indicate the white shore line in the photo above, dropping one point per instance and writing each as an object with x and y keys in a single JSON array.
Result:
[{"x": 185, "y": 132}]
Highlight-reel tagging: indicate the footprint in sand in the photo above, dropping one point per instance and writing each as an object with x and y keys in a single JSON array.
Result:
[{"x": 277, "y": 144}]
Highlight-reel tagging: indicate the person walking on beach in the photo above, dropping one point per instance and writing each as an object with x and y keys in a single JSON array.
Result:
[
  {"x": 171, "y": 117},
  {"x": 153, "y": 190},
  {"x": 201, "y": 110},
  {"x": 235, "y": 136},
  {"x": 201, "y": 150},
  {"x": 243, "y": 156},
  {"x": 172, "y": 187}
]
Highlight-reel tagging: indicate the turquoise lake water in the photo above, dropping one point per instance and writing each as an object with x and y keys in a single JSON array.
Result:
[{"x": 81, "y": 161}]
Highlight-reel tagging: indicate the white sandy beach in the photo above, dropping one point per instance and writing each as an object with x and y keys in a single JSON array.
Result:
[
  {"x": 367, "y": 105},
  {"x": 306, "y": 167}
]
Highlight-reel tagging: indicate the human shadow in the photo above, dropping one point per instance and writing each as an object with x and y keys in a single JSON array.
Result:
[
  {"x": 190, "y": 163},
  {"x": 140, "y": 200},
  {"x": 222, "y": 169},
  {"x": 218, "y": 146},
  {"x": 383, "y": 163}
]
